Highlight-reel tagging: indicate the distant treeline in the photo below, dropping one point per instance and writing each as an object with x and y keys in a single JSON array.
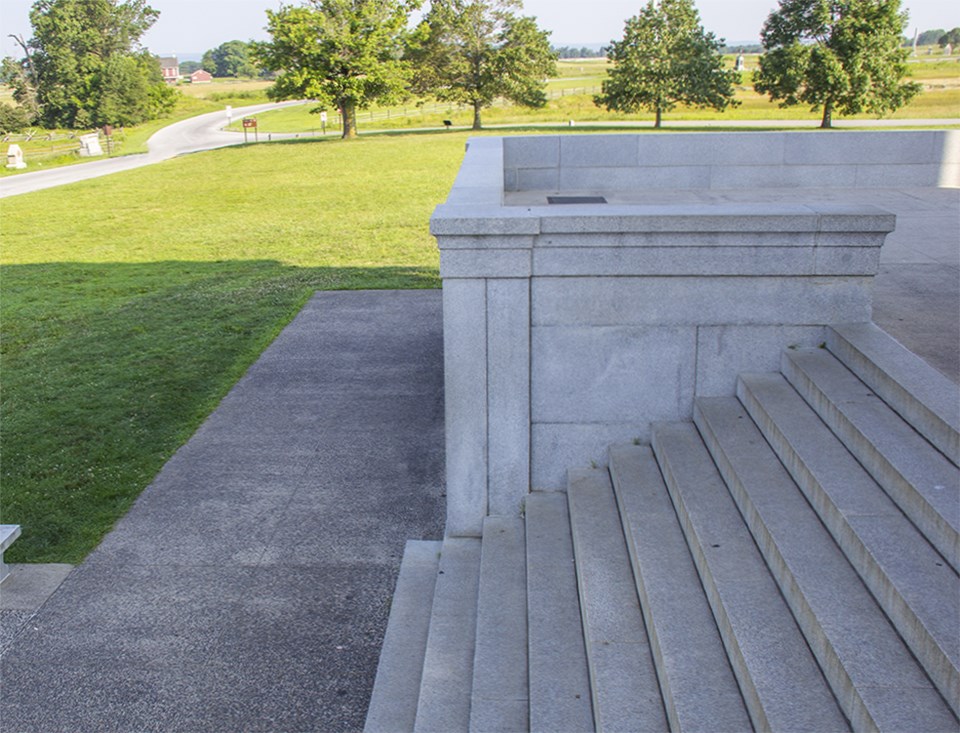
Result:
[
  {"x": 569, "y": 52},
  {"x": 937, "y": 36}
]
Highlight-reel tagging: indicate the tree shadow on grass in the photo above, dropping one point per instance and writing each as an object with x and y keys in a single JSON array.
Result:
[{"x": 108, "y": 368}]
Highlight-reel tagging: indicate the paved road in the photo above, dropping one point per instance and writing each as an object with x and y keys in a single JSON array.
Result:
[{"x": 187, "y": 136}]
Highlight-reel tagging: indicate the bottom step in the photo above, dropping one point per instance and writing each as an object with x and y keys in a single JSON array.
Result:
[{"x": 393, "y": 704}]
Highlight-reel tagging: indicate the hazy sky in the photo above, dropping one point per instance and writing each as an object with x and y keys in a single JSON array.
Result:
[{"x": 190, "y": 27}]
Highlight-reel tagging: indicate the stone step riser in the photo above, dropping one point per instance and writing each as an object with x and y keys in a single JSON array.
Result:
[
  {"x": 393, "y": 704},
  {"x": 922, "y": 482},
  {"x": 781, "y": 683},
  {"x": 870, "y": 670},
  {"x": 559, "y": 677},
  {"x": 909, "y": 579},
  {"x": 919, "y": 393},
  {"x": 623, "y": 679},
  {"x": 499, "y": 701},
  {"x": 683, "y": 634},
  {"x": 447, "y": 680}
]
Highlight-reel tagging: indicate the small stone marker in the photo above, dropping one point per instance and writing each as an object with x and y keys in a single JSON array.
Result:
[
  {"x": 8, "y": 533},
  {"x": 90, "y": 145},
  {"x": 15, "y": 157}
]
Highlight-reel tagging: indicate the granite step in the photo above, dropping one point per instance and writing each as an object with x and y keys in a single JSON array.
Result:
[
  {"x": 623, "y": 679},
  {"x": 872, "y": 673},
  {"x": 920, "y": 394},
  {"x": 447, "y": 681},
  {"x": 917, "y": 476},
  {"x": 393, "y": 703},
  {"x": 499, "y": 701},
  {"x": 559, "y": 677},
  {"x": 914, "y": 585},
  {"x": 778, "y": 675},
  {"x": 686, "y": 643}
]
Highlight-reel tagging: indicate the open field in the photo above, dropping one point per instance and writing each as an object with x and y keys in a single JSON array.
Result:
[
  {"x": 132, "y": 303},
  {"x": 571, "y": 98}
]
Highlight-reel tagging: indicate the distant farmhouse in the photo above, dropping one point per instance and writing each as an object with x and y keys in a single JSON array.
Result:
[{"x": 170, "y": 68}]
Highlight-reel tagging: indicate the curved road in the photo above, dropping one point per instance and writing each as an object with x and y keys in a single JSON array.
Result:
[{"x": 187, "y": 136}]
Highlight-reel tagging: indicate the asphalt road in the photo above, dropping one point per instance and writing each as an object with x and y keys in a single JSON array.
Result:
[{"x": 188, "y": 136}]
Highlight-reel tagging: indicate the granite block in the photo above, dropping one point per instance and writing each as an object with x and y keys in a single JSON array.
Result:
[
  {"x": 598, "y": 151},
  {"x": 465, "y": 378},
  {"x": 723, "y": 352},
  {"x": 611, "y": 375},
  {"x": 508, "y": 394}
]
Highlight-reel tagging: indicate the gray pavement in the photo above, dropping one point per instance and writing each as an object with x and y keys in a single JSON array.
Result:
[{"x": 248, "y": 588}]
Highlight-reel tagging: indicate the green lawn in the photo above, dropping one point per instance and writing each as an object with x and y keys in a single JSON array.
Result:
[{"x": 132, "y": 303}]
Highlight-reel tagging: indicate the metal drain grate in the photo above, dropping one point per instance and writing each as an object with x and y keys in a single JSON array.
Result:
[{"x": 576, "y": 200}]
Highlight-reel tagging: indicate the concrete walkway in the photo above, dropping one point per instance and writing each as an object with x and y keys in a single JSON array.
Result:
[{"x": 248, "y": 588}]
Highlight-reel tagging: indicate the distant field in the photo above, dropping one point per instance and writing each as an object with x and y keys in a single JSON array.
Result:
[{"x": 571, "y": 98}]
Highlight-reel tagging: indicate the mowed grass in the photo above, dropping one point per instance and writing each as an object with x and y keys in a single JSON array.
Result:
[{"x": 132, "y": 303}]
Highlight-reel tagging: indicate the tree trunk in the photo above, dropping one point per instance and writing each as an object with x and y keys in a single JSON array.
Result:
[
  {"x": 348, "y": 113},
  {"x": 476, "y": 116},
  {"x": 659, "y": 116},
  {"x": 827, "y": 122}
]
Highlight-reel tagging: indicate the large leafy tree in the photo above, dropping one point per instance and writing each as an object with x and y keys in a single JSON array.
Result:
[
  {"x": 230, "y": 59},
  {"x": 474, "y": 51},
  {"x": 88, "y": 64},
  {"x": 840, "y": 56},
  {"x": 342, "y": 53},
  {"x": 666, "y": 58}
]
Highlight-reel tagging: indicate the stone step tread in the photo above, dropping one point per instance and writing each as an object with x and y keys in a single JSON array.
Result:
[
  {"x": 499, "y": 698},
  {"x": 683, "y": 633},
  {"x": 870, "y": 669},
  {"x": 917, "y": 588},
  {"x": 559, "y": 678},
  {"x": 917, "y": 476},
  {"x": 393, "y": 703},
  {"x": 919, "y": 393},
  {"x": 623, "y": 678},
  {"x": 447, "y": 680},
  {"x": 781, "y": 683}
]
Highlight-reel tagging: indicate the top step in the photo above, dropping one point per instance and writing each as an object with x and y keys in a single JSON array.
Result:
[{"x": 920, "y": 394}]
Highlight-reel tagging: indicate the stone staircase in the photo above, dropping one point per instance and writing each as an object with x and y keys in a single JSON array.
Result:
[{"x": 787, "y": 561}]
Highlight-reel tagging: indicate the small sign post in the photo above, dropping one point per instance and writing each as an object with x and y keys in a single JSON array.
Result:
[{"x": 250, "y": 123}]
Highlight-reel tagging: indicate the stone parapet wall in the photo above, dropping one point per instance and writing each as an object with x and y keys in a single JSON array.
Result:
[
  {"x": 571, "y": 327},
  {"x": 732, "y": 160}
]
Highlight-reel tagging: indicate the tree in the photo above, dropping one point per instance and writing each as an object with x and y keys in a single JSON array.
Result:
[
  {"x": 89, "y": 67},
  {"x": 474, "y": 51},
  {"x": 666, "y": 58},
  {"x": 951, "y": 37},
  {"x": 345, "y": 53},
  {"x": 19, "y": 76},
  {"x": 232, "y": 58},
  {"x": 930, "y": 37},
  {"x": 843, "y": 56}
]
